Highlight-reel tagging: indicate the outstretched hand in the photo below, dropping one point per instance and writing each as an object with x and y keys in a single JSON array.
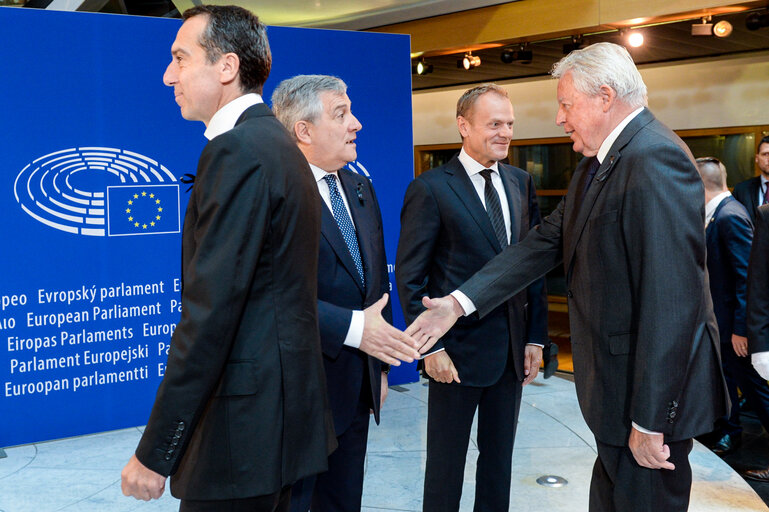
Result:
[
  {"x": 382, "y": 340},
  {"x": 441, "y": 314}
]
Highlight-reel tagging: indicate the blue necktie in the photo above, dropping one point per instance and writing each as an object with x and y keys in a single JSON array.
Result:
[{"x": 345, "y": 224}]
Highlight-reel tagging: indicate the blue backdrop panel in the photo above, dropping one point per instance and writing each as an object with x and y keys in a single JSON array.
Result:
[{"x": 92, "y": 151}]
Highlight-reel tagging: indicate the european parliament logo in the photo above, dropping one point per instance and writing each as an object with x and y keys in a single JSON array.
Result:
[{"x": 97, "y": 191}]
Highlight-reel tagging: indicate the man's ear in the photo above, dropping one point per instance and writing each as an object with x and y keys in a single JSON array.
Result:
[
  {"x": 608, "y": 96},
  {"x": 229, "y": 67},
  {"x": 302, "y": 132},
  {"x": 462, "y": 126}
]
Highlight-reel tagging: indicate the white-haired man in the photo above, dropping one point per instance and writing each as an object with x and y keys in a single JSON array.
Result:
[{"x": 630, "y": 236}]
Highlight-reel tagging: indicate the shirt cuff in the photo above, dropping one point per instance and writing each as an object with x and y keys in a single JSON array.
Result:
[
  {"x": 540, "y": 345},
  {"x": 355, "y": 332},
  {"x": 643, "y": 430},
  {"x": 760, "y": 358},
  {"x": 466, "y": 304}
]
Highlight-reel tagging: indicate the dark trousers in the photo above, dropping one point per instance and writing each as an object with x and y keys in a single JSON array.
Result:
[
  {"x": 740, "y": 373},
  {"x": 450, "y": 412},
  {"x": 619, "y": 484},
  {"x": 277, "y": 502},
  {"x": 341, "y": 487}
]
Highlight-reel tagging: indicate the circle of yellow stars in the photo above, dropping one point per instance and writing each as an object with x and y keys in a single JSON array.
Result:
[{"x": 157, "y": 205}]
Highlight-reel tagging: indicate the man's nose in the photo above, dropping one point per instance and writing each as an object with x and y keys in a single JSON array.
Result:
[{"x": 169, "y": 77}]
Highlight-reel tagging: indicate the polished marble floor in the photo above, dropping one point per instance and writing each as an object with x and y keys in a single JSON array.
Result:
[{"x": 83, "y": 474}]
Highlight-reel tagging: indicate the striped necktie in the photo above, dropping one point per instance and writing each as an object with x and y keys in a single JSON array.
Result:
[{"x": 494, "y": 208}]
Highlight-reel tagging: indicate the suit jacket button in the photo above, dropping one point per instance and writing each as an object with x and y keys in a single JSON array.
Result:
[
  {"x": 167, "y": 457},
  {"x": 569, "y": 294},
  {"x": 674, "y": 404},
  {"x": 672, "y": 414}
]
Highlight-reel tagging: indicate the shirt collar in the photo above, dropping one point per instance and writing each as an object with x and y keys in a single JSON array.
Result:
[
  {"x": 225, "y": 118},
  {"x": 608, "y": 141},
  {"x": 319, "y": 173},
  {"x": 472, "y": 166},
  {"x": 712, "y": 205}
]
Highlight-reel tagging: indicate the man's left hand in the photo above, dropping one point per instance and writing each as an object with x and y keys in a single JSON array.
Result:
[
  {"x": 141, "y": 482},
  {"x": 650, "y": 450},
  {"x": 532, "y": 358},
  {"x": 740, "y": 344}
]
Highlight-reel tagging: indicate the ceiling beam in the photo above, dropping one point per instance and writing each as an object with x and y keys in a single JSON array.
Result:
[{"x": 527, "y": 20}]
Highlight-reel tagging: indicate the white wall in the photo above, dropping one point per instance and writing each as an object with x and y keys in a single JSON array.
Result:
[{"x": 699, "y": 94}]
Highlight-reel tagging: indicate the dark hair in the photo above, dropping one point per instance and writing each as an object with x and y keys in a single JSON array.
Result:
[
  {"x": 764, "y": 140},
  {"x": 232, "y": 29}
]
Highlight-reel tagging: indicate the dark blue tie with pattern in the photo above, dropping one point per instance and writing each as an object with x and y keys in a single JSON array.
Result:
[{"x": 345, "y": 224}]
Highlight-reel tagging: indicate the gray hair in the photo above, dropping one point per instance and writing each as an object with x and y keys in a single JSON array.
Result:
[
  {"x": 713, "y": 173},
  {"x": 470, "y": 96},
  {"x": 604, "y": 64},
  {"x": 298, "y": 98}
]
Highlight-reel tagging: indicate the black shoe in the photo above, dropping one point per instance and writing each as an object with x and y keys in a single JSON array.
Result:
[
  {"x": 727, "y": 444},
  {"x": 761, "y": 475}
]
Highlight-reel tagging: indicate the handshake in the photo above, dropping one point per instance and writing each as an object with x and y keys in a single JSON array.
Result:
[{"x": 391, "y": 346}]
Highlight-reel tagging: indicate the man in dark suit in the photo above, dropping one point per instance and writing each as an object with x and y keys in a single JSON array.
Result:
[
  {"x": 728, "y": 235},
  {"x": 353, "y": 285},
  {"x": 454, "y": 219},
  {"x": 630, "y": 235},
  {"x": 753, "y": 192},
  {"x": 758, "y": 309},
  {"x": 241, "y": 413}
]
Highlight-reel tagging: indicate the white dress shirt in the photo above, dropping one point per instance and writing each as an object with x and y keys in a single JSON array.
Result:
[
  {"x": 355, "y": 332},
  {"x": 712, "y": 205},
  {"x": 225, "y": 118}
]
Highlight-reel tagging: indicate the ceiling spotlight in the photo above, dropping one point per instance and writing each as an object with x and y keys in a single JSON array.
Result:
[
  {"x": 635, "y": 39},
  {"x": 421, "y": 67},
  {"x": 469, "y": 61},
  {"x": 522, "y": 54},
  {"x": 722, "y": 29},
  {"x": 757, "y": 20},
  {"x": 703, "y": 29},
  {"x": 576, "y": 43}
]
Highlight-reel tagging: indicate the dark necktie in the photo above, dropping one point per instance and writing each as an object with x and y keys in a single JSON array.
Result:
[
  {"x": 766, "y": 194},
  {"x": 592, "y": 168},
  {"x": 494, "y": 208},
  {"x": 345, "y": 224}
]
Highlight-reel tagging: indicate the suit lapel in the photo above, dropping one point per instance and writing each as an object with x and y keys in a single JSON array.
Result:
[
  {"x": 460, "y": 183},
  {"x": 359, "y": 201},
  {"x": 513, "y": 202},
  {"x": 582, "y": 210},
  {"x": 330, "y": 231},
  {"x": 756, "y": 191}
]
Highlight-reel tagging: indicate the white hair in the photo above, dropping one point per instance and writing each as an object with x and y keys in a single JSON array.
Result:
[{"x": 604, "y": 64}]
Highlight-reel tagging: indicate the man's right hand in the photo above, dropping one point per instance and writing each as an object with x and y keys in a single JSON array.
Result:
[
  {"x": 382, "y": 340},
  {"x": 440, "y": 367},
  {"x": 441, "y": 314},
  {"x": 139, "y": 481}
]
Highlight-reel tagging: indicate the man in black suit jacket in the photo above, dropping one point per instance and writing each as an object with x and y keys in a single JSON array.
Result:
[
  {"x": 758, "y": 309},
  {"x": 630, "y": 235},
  {"x": 241, "y": 413},
  {"x": 728, "y": 234},
  {"x": 353, "y": 285},
  {"x": 454, "y": 219},
  {"x": 752, "y": 192}
]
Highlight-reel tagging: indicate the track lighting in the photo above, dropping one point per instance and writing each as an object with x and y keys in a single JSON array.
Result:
[
  {"x": 521, "y": 54},
  {"x": 757, "y": 20},
  {"x": 469, "y": 61},
  {"x": 421, "y": 67}
]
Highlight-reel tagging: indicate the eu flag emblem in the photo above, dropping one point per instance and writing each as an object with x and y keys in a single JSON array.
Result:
[{"x": 143, "y": 210}]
